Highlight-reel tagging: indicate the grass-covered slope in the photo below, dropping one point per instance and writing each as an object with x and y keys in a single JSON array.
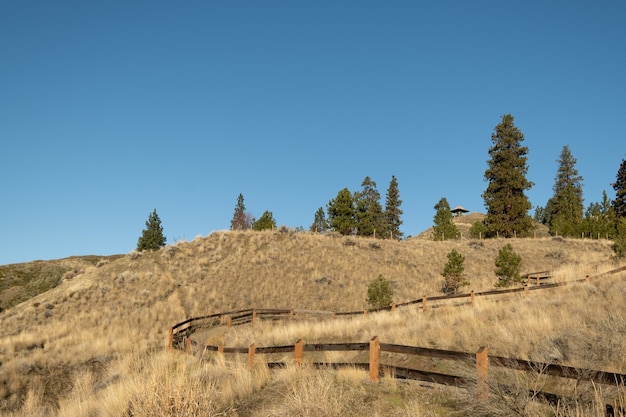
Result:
[{"x": 94, "y": 344}]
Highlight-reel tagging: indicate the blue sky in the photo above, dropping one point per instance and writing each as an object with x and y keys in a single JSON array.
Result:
[{"x": 109, "y": 110}]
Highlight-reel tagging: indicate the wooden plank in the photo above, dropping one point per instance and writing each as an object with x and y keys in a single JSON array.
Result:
[
  {"x": 420, "y": 351},
  {"x": 336, "y": 347}
]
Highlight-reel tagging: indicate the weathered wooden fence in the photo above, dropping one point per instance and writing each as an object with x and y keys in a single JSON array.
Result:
[
  {"x": 180, "y": 338},
  {"x": 377, "y": 367}
]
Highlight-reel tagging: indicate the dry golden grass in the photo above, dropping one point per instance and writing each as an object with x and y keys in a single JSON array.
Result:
[{"x": 94, "y": 346}]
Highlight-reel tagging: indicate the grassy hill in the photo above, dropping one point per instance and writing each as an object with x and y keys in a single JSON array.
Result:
[
  {"x": 94, "y": 343},
  {"x": 20, "y": 282}
]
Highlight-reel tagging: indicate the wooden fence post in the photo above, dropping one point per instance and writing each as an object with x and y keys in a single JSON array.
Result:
[
  {"x": 188, "y": 345},
  {"x": 472, "y": 297},
  {"x": 424, "y": 303},
  {"x": 374, "y": 359},
  {"x": 297, "y": 352},
  {"x": 291, "y": 313},
  {"x": 251, "y": 351},
  {"x": 253, "y": 316},
  {"x": 229, "y": 321},
  {"x": 171, "y": 339},
  {"x": 220, "y": 353},
  {"x": 393, "y": 307},
  {"x": 365, "y": 312},
  {"x": 482, "y": 370}
]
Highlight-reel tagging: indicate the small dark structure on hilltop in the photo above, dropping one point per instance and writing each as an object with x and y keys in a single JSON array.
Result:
[{"x": 458, "y": 211}]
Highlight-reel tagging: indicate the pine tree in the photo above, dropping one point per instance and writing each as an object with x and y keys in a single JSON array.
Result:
[
  {"x": 379, "y": 293},
  {"x": 599, "y": 221},
  {"x": 152, "y": 237},
  {"x": 369, "y": 212},
  {"x": 565, "y": 208},
  {"x": 508, "y": 267},
  {"x": 444, "y": 228},
  {"x": 619, "y": 204},
  {"x": 266, "y": 222},
  {"x": 241, "y": 220},
  {"x": 320, "y": 225},
  {"x": 453, "y": 273},
  {"x": 507, "y": 205},
  {"x": 393, "y": 211},
  {"x": 341, "y": 212},
  {"x": 619, "y": 242}
]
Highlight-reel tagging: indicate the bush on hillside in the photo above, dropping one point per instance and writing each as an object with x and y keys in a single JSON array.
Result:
[
  {"x": 453, "y": 273},
  {"x": 508, "y": 267},
  {"x": 379, "y": 293}
]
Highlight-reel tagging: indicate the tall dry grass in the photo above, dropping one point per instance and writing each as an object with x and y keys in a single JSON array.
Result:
[{"x": 94, "y": 345}]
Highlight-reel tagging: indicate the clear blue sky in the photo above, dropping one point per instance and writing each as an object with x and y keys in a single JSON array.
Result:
[{"x": 111, "y": 109}]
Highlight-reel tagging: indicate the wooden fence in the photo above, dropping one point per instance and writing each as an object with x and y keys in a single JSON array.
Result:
[
  {"x": 481, "y": 360},
  {"x": 180, "y": 339}
]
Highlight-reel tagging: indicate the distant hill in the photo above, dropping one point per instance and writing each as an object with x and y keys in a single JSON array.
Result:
[
  {"x": 22, "y": 281},
  {"x": 465, "y": 222}
]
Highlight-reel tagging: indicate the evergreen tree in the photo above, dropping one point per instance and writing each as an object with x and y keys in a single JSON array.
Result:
[
  {"x": 508, "y": 267},
  {"x": 369, "y": 212},
  {"x": 507, "y": 205},
  {"x": 320, "y": 225},
  {"x": 241, "y": 220},
  {"x": 619, "y": 243},
  {"x": 341, "y": 212},
  {"x": 379, "y": 293},
  {"x": 453, "y": 273},
  {"x": 444, "y": 228},
  {"x": 619, "y": 204},
  {"x": 565, "y": 208},
  {"x": 266, "y": 222},
  {"x": 152, "y": 237},
  {"x": 393, "y": 211},
  {"x": 599, "y": 221}
]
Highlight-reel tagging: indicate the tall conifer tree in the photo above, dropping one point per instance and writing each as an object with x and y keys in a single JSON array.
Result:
[
  {"x": 152, "y": 237},
  {"x": 507, "y": 205},
  {"x": 341, "y": 212},
  {"x": 393, "y": 212},
  {"x": 240, "y": 219},
  {"x": 619, "y": 204},
  {"x": 369, "y": 212},
  {"x": 565, "y": 208},
  {"x": 320, "y": 224},
  {"x": 444, "y": 228}
]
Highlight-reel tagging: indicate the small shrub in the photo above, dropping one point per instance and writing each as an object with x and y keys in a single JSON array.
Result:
[
  {"x": 453, "y": 273},
  {"x": 478, "y": 230},
  {"x": 379, "y": 293},
  {"x": 349, "y": 242},
  {"x": 508, "y": 267},
  {"x": 375, "y": 245}
]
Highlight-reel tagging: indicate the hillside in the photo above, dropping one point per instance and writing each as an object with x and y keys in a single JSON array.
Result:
[
  {"x": 20, "y": 282},
  {"x": 101, "y": 317}
]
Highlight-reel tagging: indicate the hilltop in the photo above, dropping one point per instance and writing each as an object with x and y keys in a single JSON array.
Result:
[{"x": 111, "y": 310}]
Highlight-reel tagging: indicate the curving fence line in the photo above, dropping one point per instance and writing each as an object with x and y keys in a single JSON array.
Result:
[{"x": 180, "y": 339}]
